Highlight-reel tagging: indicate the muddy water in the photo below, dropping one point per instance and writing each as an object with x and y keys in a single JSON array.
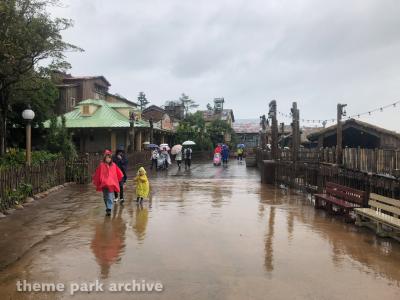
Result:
[{"x": 211, "y": 233}]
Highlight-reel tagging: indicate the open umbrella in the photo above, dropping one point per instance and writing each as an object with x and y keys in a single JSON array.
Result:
[
  {"x": 152, "y": 146},
  {"x": 175, "y": 149},
  {"x": 162, "y": 146},
  {"x": 188, "y": 143}
]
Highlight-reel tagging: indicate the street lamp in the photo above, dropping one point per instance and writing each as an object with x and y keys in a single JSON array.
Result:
[
  {"x": 28, "y": 115},
  {"x": 132, "y": 118}
]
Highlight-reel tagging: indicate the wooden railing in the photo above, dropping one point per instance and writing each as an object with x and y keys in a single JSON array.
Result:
[
  {"x": 18, "y": 182},
  {"x": 377, "y": 161}
]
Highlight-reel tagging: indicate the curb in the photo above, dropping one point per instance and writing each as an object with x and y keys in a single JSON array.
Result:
[{"x": 31, "y": 200}]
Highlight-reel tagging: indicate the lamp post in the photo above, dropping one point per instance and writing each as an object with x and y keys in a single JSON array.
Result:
[
  {"x": 28, "y": 115},
  {"x": 132, "y": 118}
]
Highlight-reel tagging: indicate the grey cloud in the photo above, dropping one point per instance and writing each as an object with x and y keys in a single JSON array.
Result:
[{"x": 315, "y": 52}]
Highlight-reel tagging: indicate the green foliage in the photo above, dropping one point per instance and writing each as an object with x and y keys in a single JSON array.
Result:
[
  {"x": 142, "y": 101},
  {"x": 17, "y": 196},
  {"x": 42, "y": 94},
  {"x": 17, "y": 157},
  {"x": 29, "y": 36},
  {"x": 59, "y": 139},
  {"x": 217, "y": 129},
  {"x": 193, "y": 128}
]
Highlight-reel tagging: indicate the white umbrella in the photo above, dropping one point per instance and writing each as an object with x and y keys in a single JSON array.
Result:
[{"x": 188, "y": 143}]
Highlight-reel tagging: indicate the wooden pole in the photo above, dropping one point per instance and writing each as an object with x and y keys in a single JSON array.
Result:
[
  {"x": 274, "y": 129},
  {"x": 295, "y": 132},
  {"x": 339, "y": 132}
]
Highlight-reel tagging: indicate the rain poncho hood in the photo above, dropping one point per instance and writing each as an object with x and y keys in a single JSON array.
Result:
[{"x": 141, "y": 169}]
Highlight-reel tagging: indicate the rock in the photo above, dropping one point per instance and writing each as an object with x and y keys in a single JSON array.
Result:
[
  {"x": 2, "y": 215},
  {"x": 9, "y": 211},
  {"x": 19, "y": 206},
  {"x": 29, "y": 200}
]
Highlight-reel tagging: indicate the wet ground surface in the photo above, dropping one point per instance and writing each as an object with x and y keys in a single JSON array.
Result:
[{"x": 208, "y": 233}]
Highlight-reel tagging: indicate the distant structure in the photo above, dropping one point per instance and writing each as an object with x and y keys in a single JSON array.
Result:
[
  {"x": 247, "y": 132},
  {"x": 357, "y": 134},
  {"x": 219, "y": 113},
  {"x": 175, "y": 110},
  {"x": 74, "y": 89}
]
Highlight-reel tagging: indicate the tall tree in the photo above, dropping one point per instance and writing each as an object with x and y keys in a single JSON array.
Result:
[
  {"x": 142, "y": 101},
  {"x": 28, "y": 36},
  {"x": 187, "y": 103},
  {"x": 42, "y": 94}
]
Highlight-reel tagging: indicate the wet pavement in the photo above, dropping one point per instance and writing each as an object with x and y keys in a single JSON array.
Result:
[{"x": 208, "y": 233}]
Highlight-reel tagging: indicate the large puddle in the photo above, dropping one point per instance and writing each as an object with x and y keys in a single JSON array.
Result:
[{"x": 208, "y": 233}]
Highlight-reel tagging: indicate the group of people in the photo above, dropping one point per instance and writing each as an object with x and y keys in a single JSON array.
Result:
[
  {"x": 221, "y": 152},
  {"x": 111, "y": 176},
  {"x": 163, "y": 156}
]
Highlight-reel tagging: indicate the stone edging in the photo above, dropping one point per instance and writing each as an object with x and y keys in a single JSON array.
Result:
[{"x": 30, "y": 200}]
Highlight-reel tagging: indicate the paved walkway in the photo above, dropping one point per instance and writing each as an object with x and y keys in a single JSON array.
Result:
[{"x": 208, "y": 233}]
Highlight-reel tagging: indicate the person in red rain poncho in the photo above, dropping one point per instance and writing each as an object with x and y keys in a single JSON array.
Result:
[
  {"x": 218, "y": 149},
  {"x": 106, "y": 179}
]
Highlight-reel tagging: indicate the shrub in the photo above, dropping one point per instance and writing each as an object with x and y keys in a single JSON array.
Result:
[{"x": 17, "y": 157}]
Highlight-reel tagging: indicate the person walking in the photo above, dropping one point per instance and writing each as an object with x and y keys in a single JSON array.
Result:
[
  {"x": 106, "y": 179},
  {"x": 166, "y": 157},
  {"x": 122, "y": 162},
  {"x": 240, "y": 154},
  {"x": 225, "y": 154},
  {"x": 188, "y": 157},
  {"x": 154, "y": 157},
  {"x": 142, "y": 185},
  {"x": 178, "y": 158}
]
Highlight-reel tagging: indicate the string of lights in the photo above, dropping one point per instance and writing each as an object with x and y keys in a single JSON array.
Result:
[{"x": 358, "y": 115}]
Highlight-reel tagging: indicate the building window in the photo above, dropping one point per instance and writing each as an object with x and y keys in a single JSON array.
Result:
[
  {"x": 86, "y": 110},
  {"x": 73, "y": 102}
]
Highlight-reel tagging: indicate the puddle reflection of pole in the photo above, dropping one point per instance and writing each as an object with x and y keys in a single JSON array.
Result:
[
  {"x": 269, "y": 252},
  {"x": 290, "y": 223}
]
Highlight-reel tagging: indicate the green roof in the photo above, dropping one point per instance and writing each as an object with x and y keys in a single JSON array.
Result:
[{"x": 104, "y": 117}]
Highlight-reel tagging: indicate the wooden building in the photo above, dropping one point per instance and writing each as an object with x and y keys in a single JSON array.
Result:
[
  {"x": 98, "y": 124},
  {"x": 357, "y": 134},
  {"x": 74, "y": 89}
]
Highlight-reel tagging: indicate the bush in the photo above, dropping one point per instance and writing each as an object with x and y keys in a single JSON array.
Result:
[
  {"x": 17, "y": 157},
  {"x": 17, "y": 196},
  {"x": 59, "y": 139}
]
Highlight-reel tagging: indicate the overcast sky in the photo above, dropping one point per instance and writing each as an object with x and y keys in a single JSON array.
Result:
[{"x": 315, "y": 52}]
